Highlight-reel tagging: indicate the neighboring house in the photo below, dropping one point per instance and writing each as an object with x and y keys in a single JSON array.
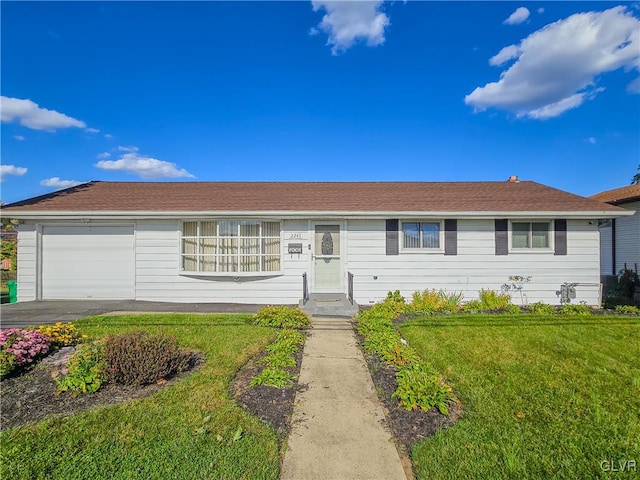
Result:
[
  {"x": 252, "y": 242},
  {"x": 620, "y": 237}
]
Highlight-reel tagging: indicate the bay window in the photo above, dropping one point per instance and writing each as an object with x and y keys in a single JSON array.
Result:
[{"x": 231, "y": 246}]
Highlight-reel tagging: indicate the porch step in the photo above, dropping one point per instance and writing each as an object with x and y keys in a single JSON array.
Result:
[{"x": 331, "y": 304}]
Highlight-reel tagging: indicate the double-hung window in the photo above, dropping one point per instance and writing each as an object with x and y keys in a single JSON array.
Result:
[
  {"x": 530, "y": 235},
  {"x": 421, "y": 235},
  {"x": 231, "y": 246}
]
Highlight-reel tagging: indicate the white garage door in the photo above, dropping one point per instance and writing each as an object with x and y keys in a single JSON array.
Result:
[{"x": 87, "y": 262}]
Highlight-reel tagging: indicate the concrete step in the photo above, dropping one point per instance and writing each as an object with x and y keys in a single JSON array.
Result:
[{"x": 330, "y": 304}]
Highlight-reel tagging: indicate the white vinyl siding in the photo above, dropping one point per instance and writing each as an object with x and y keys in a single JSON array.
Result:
[
  {"x": 228, "y": 246},
  {"x": 628, "y": 239},
  {"x": 27, "y": 263},
  {"x": 159, "y": 278},
  {"x": 474, "y": 267}
]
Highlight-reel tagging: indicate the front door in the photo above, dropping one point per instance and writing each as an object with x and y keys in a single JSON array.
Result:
[{"x": 327, "y": 261}]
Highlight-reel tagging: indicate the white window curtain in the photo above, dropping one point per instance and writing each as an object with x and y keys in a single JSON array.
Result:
[
  {"x": 231, "y": 246},
  {"x": 421, "y": 235}
]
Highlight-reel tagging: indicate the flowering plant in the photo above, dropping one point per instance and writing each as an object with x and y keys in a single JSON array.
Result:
[
  {"x": 19, "y": 348},
  {"x": 61, "y": 334}
]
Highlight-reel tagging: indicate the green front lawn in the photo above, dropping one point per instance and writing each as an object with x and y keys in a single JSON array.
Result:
[
  {"x": 160, "y": 436},
  {"x": 544, "y": 397}
]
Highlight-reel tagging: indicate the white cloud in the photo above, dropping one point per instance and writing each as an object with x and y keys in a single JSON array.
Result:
[
  {"x": 504, "y": 55},
  {"x": 144, "y": 167},
  {"x": 55, "y": 182},
  {"x": 519, "y": 16},
  {"x": 128, "y": 149},
  {"x": 11, "y": 170},
  {"x": 541, "y": 10},
  {"x": 634, "y": 86},
  {"x": 103, "y": 155},
  {"x": 19, "y": 137},
  {"x": 556, "y": 67},
  {"x": 347, "y": 22},
  {"x": 108, "y": 136},
  {"x": 590, "y": 140},
  {"x": 93, "y": 130},
  {"x": 31, "y": 115}
]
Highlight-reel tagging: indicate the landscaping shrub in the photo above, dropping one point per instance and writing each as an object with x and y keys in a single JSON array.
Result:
[
  {"x": 432, "y": 301},
  {"x": 20, "y": 348},
  {"x": 627, "y": 310},
  {"x": 575, "y": 309},
  {"x": 368, "y": 324},
  {"x": 140, "y": 358},
  {"x": 273, "y": 377},
  {"x": 540, "y": 308},
  {"x": 492, "y": 300},
  {"x": 420, "y": 386},
  {"x": 281, "y": 316},
  {"x": 61, "y": 334},
  {"x": 622, "y": 292},
  {"x": 86, "y": 371},
  {"x": 281, "y": 356},
  {"x": 511, "y": 309}
]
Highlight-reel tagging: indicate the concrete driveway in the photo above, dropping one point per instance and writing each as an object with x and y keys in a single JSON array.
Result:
[{"x": 41, "y": 312}]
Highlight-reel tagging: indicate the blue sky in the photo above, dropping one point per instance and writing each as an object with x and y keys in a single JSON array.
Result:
[{"x": 319, "y": 91}]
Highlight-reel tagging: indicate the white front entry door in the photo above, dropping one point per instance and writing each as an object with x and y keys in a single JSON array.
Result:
[{"x": 327, "y": 259}]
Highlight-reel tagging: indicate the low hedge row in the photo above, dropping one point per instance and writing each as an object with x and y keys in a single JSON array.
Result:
[{"x": 420, "y": 386}]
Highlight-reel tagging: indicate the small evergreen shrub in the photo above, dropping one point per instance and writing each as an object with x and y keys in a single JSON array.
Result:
[
  {"x": 627, "y": 310},
  {"x": 86, "y": 371},
  {"x": 21, "y": 348},
  {"x": 61, "y": 334},
  {"x": 421, "y": 387},
  {"x": 575, "y": 309},
  {"x": 540, "y": 308},
  {"x": 140, "y": 358},
  {"x": 281, "y": 316}
]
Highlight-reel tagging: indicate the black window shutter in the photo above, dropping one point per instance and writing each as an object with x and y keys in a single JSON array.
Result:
[
  {"x": 393, "y": 247},
  {"x": 560, "y": 229},
  {"x": 450, "y": 236},
  {"x": 502, "y": 236}
]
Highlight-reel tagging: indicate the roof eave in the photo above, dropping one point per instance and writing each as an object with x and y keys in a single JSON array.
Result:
[{"x": 288, "y": 214}]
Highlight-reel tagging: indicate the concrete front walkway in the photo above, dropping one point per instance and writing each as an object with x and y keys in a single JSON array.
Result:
[{"x": 336, "y": 427}]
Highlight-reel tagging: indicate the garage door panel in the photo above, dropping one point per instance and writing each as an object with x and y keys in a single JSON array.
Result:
[{"x": 88, "y": 262}]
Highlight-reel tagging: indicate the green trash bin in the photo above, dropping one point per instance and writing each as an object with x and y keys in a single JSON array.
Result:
[{"x": 13, "y": 291}]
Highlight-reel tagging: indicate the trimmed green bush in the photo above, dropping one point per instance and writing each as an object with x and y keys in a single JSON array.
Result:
[
  {"x": 281, "y": 356},
  {"x": 86, "y": 370},
  {"x": 627, "y": 310},
  {"x": 492, "y": 300},
  {"x": 421, "y": 387},
  {"x": 281, "y": 316},
  {"x": 540, "y": 308},
  {"x": 575, "y": 309}
]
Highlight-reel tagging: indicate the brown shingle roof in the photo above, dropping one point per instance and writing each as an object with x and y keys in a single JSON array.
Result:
[
  {"x": 294, "y": 197},
  {"x": 618, "y": 196}
]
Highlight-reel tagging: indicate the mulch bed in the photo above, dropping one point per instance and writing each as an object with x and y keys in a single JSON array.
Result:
[
  {"x": 31, "y": 396},
  {"x": 273, "y": 406},
  {"x": 407, "y": 426}
]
